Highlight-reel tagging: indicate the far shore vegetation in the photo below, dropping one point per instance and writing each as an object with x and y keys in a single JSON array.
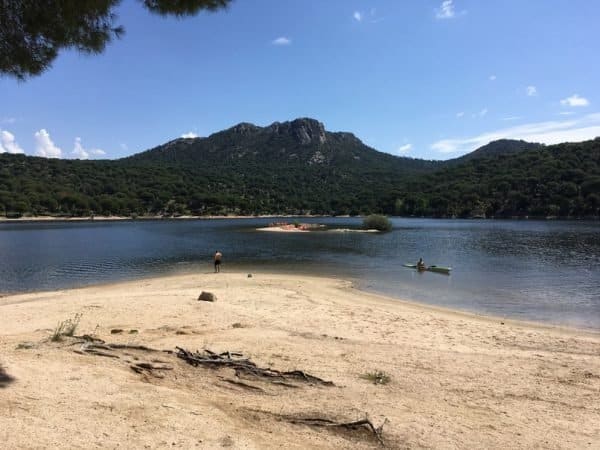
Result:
[{"x": 558, "y": 181}]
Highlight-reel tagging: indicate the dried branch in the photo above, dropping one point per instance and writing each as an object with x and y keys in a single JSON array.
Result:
[
  {"x": 244, "y": 366},
  {"x": 357, "y": 424}
]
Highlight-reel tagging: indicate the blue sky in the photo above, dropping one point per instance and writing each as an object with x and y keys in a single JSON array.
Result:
[{"x": 423, "y": 78}]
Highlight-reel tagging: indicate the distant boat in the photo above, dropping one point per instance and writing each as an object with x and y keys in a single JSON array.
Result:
[{"x": 437, "y": 269}]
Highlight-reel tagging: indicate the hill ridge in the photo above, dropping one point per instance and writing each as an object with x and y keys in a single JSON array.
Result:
[{"x": 298, "y": 167}]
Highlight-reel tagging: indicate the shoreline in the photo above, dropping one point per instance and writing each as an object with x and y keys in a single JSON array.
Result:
[
  {"x": 453, "y": 379},
  {"x": 350, "y": 285},
  {"x": 49, "y": 219},
  {"x": 353, "y": 285},
  {"x": 147, "y": 218}
]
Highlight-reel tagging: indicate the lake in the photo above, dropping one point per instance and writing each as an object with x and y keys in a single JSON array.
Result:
[{"x": 547, "y": 271}]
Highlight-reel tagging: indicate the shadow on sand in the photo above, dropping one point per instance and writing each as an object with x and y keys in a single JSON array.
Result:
[{"x": 5, "y": 379}]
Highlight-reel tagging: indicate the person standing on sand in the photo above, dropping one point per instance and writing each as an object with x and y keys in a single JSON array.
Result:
[{"x": 217, "y": 258}]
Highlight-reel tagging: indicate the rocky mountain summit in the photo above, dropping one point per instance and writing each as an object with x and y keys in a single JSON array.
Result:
[
  {"x": 306, "y": 131},
  {"x": 300, "y": 142}
]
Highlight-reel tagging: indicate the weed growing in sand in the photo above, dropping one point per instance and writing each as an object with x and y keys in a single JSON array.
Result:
[
  {"x": 377, "y": 377},
  {"x": 26, "y": 346},
  {"x": 66, "y": 328}
]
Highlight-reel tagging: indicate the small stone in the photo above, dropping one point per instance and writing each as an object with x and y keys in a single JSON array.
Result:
[
  {"x": 249, "y": 275},
  {"x": 207, "y": 297},
  {"x": 116, "y": 331}
]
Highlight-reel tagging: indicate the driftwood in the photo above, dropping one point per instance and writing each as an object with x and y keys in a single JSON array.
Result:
[
  {"x": 89, "y": 338},
  {"x": 144, "y": 367},
  {"x": 99, "y": 353},
  {"x": 136, "y": 347},
  {"x": 98, "y": 347},
  {"x": 244, "y": 366},
  {"x": 242, "y": 384},
  {"x": 365, "y": 424}
]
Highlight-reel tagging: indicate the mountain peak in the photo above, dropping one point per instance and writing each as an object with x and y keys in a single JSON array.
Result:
[
  {"x": 305, "y": 130},
  {"x": 498, "y": 147},
  {"x": 243, "y": 128}
]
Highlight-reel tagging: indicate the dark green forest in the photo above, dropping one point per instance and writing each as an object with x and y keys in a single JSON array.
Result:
[{"x": 299, "y": 168}]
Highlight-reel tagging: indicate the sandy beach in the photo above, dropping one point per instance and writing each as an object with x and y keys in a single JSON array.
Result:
[{"x": 454, "y": 380}]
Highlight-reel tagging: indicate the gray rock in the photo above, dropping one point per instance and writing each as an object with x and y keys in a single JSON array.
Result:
[{"x": 207, "y": 297}]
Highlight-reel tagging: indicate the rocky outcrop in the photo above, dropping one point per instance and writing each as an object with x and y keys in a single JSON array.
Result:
[{"x": 305, "y": 131}]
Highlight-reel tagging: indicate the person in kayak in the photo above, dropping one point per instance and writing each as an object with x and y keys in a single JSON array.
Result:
[{"x": 421, "y": 264}]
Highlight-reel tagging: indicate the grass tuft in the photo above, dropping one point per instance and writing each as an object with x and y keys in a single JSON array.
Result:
[{"x": 65, "y": 328}]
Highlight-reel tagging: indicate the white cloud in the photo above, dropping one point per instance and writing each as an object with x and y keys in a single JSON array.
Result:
[
  {"x": 404, "y": 149},
  {"x": 493, "y": 77},
  {"x": 8, "y": 120},
  {"x": 44, "y": 145},
  {"x": 282, "y": 40},
  {"x": 566, "y": 113},
  {"x": 552, "y": 132},
  {"x": 531, "y": 91},
  {"x": 446, "y": 10},
  {"x": 8, "y": 143},
  {"x": 574, "y": 100},
  {"x": 511, "y": 118},
  {"x": 460, "y": 114},
  {"x": 81, "y": 153},
  {"x": 357, "y": 16},
  {"x": 189, "y": 135},
  {"x": 78, "y": 150}
]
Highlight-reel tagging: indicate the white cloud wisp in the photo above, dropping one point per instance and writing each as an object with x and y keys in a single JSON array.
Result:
[
  {"x": 574, "y": 101},
  {"x": 446, "y": 10},
  {"x": 552, "y": 132},
  {"x": 404, "y": 149},
  {"x": 82, "y": 153},
  {"x": 531, "y": 91},
  {"x": 282, "y": 40}
]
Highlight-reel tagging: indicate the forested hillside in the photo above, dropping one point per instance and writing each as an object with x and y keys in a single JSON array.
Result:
[
  {"x": 559, "y": 180},
  {"x": 299, "y": 168}
]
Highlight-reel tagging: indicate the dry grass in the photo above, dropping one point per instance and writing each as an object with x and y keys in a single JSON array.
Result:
[{"x": 65, "y": 328}]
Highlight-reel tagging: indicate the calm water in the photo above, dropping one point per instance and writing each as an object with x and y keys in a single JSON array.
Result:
[{"x": 544, "y": 271}]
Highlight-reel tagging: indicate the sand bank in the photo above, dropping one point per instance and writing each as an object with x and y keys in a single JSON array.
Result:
[
  {"x": 456, "y": 380},
  {"x": 300, "y": 230}
]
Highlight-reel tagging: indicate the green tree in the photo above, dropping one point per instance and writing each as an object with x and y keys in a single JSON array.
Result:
[
  {"x": 33, "y": 32},
  {"x": 377, "y": 222}
]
